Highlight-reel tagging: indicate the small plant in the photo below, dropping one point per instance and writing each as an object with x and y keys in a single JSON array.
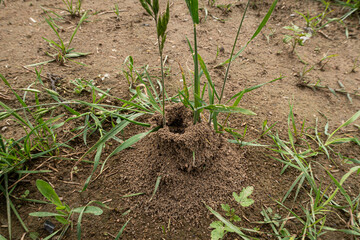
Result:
[
  {"x": 277, "y": 224},
  {"x": 117, "y": 11},
  {"x": 325, "y": 60},
  {"x": 304, "y": 72},
  {"x": 73, "y": 7},
  {"x": 211, "y": 3},
  {"x": 63, "y": 211},
  {"x": 298, "y": 36},
  {"x": 315, "y": 23},
  {"x": 220, "y": 228},
  {"x": 199, "y": 104},
  {"x": 313, "y": 215},
  {"x": 81, "y": 85},
  {"x": 356, "y": 64},
  {"x": 64, "y": 52},
  {"x": 270, "y": 35},
  {"x": 161, "y": 23},
  {"x": 129, "y": 71},
  {"x": 353, "y": 7},
  {"x": 225, "y": 8}
]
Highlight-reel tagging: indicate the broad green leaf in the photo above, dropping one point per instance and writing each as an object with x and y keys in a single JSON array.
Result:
[
  {"x": 45, "y": 214},
  {"x": 47, "y": 191},
  {"x": 89, "y": 209},
  {"x": 62, "y": 220},
  {"x": 219, "y": 230},
  {"x": 193, "y": 7},
  {"x": 225, "y": 207},
  {"x": 242, "y": 198}
]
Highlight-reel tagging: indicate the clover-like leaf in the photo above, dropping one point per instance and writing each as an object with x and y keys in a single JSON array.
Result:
[
  {"x": 242, "y": 198},
  {"x": 225, "y": 207},
  {"x": 219, "y": 230}
]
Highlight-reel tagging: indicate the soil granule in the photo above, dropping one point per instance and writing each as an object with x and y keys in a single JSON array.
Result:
[{"x": 187, "y": 181}]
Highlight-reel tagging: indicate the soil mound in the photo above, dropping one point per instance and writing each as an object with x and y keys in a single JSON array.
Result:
[{"x": 195, "y": 164}]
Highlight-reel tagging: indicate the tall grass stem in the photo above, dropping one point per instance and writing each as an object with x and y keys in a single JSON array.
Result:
[
  {"x": 196, "y": 80},
  {"x": 232, "y": 52}
]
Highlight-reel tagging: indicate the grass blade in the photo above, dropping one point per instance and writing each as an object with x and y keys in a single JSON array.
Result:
[
  {"x": 262, "y": 24},
  {"x": 156, "y": 187},
  {"x": 349, "y": 121},
  {"x": 228, "y": 224}
]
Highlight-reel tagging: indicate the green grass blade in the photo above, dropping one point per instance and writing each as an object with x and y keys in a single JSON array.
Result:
[
  {"x": 96, "y": 164},
  {"x": 76, "y": 29},
  {"x": 156, "y": 187},
  {"x": 349, "y": 121},
  {"x": 193, "y": 7},
  {"x": 122, "y": 230},
  {"x": 252, "y": 88},
  {"x": 110, "y": 134},
  {"x": 128, "y": 143},
  {"x": 228, "y": 223},
  {"x": 8, "y": 211},
  {"x": 62, "y": 46},
  {"x": 207, "y": 75},
  {"x": 260, "y": 27}
]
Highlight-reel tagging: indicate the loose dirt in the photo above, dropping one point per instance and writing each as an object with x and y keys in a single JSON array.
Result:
[{"x": 196, "y": 167}]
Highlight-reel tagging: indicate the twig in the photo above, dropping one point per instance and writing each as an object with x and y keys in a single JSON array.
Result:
[
  {"x": 73, "y": 183},
  {"x": 106, "y": 201},
  {"x": 23, "y": 236},
  {"x": 53, "y": 168},
  {"x": 4, "y": 97},
  {"x": 324, "y": 35},
  {"x": 102, "y": 13}
]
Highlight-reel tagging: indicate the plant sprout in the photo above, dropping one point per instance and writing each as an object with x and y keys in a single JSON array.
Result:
[{"x": 161, "y": 23}]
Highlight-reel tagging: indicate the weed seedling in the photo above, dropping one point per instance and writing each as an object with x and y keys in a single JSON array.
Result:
[
  {"x": 325, "y": 60},
  {"x": 298, "y": 36},
  {"x": 211, "y": 3},
  {"x": 304, "y": 72},
  {"x": 81, "y": 85},
  {"x": 117, "y": 11},
  {"x": 64, "y": 52},
  {"x": 225, "y": 8},
  {"x": 270, "y": 35},
  {"x": 220, "y": 228},
  {"x": 353, "y": 7},
  {"x": 314, "y": 24},
  {"x": 356, "y": 64},
  {"x": 198, "y": 105},
  {"x": 73, "y": 7},
  {"x": 63, "y": 211}
]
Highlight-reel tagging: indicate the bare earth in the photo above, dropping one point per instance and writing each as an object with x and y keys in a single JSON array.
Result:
[{"x": 223, "y": 168}]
